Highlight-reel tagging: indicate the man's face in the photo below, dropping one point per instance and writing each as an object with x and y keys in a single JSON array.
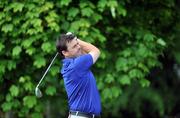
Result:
[{"x": 73, "y": 49}]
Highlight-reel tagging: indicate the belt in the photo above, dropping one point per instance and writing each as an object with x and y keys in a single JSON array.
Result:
[{"x": 83, "y": 114}]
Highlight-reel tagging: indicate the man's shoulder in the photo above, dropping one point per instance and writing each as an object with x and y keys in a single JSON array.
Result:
[{"x": 84, "y": 56}]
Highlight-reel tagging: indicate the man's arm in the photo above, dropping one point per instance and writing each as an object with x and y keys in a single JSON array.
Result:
[{"x": 89, "y": 48}]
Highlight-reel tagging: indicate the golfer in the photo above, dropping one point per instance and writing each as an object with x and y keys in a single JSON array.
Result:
[{"x": 77, "y": 58}]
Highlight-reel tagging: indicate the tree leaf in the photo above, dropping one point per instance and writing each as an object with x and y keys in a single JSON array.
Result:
[
  {"x": 16, "y": 50},
  {"x": 47, "y": 6},
  {"x": 116, "y": 91},
  {"x": 39, "y": 62},
  {"x": 36, "y": 22},
  {"x": 27, "y": 43},
  {"x": 11, "y": 65},
  {"x": 9, "y": 97},
  {"x": 2, "y": 68},
  {"x": 16, "y": 104},
  {"x": 54, "y": 70},
  {"x": 22, "y": 79},
  {"x": 14, "y": 90},
  {"x": 127, "y": 52},
  {"x": 107, "y": 93},
  {"x": 65, "y": 2},
  {"x": 144, "y": 82},
  {"x": 124, "y": 80},
  {"x": 6, "y": 106},
  {"x": 1, "y": 46},
  {"x": 36, "y": 115},
  {"x": 28, "y": 86},
  {"x": 113, "y": 5},
  {"x": 30, "y": 50},
  {"x": 73, "y": 12},
  {"x": 142, "y": 51},
  {"x": 46, "y": 47},
  {"x": 51, "y": 90},
  {"x": 29, "y": 101},
  {"x": 122, "y": 64},
  {"x": 143, "y": 67},
  {"x": 113, "y": 12},
  {"x": 109, "y": 78},
  {"x": 7, "y": 28},
  {"x": 161, "y": 42},
  {"x": 135, "y": 73},
  {"x": 149, "y": 37},
  {"x": 121, "y": 11},
  {"x": 102, "y": 4},
  {"x": 97, "y": 17},
  {"x": 87, "y": 11},
  {"x": 2, "y": 15},
  {"x": 17, "y": 6}
]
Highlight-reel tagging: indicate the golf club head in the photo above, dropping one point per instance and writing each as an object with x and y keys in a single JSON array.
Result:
[{"x": 38, "y": 92}]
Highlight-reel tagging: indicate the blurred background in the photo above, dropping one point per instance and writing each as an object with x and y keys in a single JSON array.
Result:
[{"x": 138, "y": 72}]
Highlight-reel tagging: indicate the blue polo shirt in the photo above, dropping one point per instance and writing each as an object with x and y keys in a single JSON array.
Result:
[{"x": 80, "y": 84}]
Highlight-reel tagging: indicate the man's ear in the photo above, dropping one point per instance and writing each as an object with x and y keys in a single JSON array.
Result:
[{"x": 64, "y": 53}]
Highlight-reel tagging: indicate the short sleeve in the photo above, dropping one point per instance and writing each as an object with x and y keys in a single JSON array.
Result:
[{"x": 84, "y": 62}]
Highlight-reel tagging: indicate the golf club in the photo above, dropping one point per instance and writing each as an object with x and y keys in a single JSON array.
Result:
[{"x": 38, "y": 92}]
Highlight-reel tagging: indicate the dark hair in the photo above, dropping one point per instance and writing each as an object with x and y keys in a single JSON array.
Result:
[{"x": 61, "y": 42}]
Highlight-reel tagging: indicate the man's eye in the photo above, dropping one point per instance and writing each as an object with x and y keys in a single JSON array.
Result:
[{"x": 74, "y": 46}]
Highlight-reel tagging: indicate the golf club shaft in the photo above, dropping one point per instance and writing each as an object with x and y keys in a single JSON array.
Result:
[{"x": 47, "y": 70}]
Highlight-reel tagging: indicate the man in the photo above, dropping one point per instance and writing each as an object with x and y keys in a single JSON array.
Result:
[{"x": 78, "y": 56}]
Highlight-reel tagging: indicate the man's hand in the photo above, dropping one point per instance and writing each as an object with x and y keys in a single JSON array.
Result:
[{"x": 89, "y": 48}]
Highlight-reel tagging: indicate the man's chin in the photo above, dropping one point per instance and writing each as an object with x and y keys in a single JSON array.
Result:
[{"x": 80, "y": 54}]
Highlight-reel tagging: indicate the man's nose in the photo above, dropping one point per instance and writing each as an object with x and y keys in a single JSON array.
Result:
[{"x": 78, "y": 46}]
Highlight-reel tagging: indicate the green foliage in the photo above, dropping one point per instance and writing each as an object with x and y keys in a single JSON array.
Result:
[
  {"x": 51, "y": 90},
  {"x": 130, "y": 34},
  {"x": 29, "y": 101},
  {"x": 14, "y": 90}
]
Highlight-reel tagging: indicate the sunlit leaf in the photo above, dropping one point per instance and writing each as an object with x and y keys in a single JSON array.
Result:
[
  {"x": 109, "y": 78},
  {"x": 46, "y": 47},
  {"x": 39, "y": 62},
  {"x": 7, "y": 28},
  {"x": 28, "y": 86},
  {"x": 73, "y": 12},
  {"x": 149, "y": 37},
  {"x": 113, "y": 12},
  {"x": 144, "y": 82},
  {"x": 121, "y": 11},
  {"x": 6, "y": 106},
  {"x": 17, "y": 6},
  {"x": 29, "y": 101},
  {"x": 30, "y": 50},
  {"x": 54, "y": 70},
  {"x": 9, "y": 97},
  {"x": 135, "y": 73},
  {"x": 87, "y": 11},
  {"x": 50, "y": 90},
  {"x": 124, "y": 80},
  {"x": 16, "y": 50},
  {"x": 14, "y": 90},
  {"x": 121, "y": 64},
  {"x": 65, "y": 2},
  {"x": 161, "y": 42},
  {"x": 27, "y": 43},
  {"x": 101, "y": 5}
]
